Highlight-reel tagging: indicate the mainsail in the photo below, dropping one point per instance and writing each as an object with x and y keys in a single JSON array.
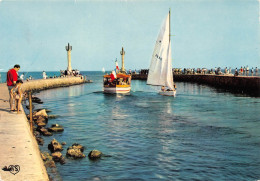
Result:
[{"x": 160, "y": 70}]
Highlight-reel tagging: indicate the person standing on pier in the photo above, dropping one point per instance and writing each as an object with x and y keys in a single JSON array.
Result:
[
  {"x": 11, "y": 78},
  {"x": 252, "y": 71},
  {"x": 256, "y": 71},
  {"x": 241, "y": 71},
  {"x": 44, "y": 75},
  {"x": 236, "y": 72},
  {"x": 247, "y": 70},
  {"x": 22, "y": 77}
]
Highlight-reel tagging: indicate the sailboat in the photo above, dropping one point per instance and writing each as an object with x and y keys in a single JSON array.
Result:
[
  {"x": 118, "y": 81},
  {"x": 103, "y": 70},
  {"x": 160, "y": 70}
]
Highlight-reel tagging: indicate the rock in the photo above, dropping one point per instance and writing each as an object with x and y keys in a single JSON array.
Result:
[
  {"x": 40, "y": 113},
  {"x": 52, "y": 116},
  {"x": 94, "y": 154},
  {"x": 40, "y": 123},
  {"x": 40, "y": 140},
  {"x": 78, "y": 146},
  {"x": 76, "y": 151},
  {"x": 37, "y": 100},
  {"x": 63, "y": 143},
  {"x": 44, "y": 131},
  {"x": 36, "y": 133},
  {"x": 41, "y": 118},
  {"x": 44, "y": 158},
  {"x": 55, "y": 146},
  {"x": 62, "y": 160},
  {"x": 56, "y": 128},
  {"x": 50, "y": 164},
  {"x": 47, "y": 110},
  {"x": 56, "y": 156},
  {"x": 28, "y": 107},
  {"x": 47, "y": 133}
]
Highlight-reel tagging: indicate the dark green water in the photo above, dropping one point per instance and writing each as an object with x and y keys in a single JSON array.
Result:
[{"x": 202, "y": 134}]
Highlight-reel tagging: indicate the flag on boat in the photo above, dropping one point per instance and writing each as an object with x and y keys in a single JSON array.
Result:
[{"x": 117, "y": 68}]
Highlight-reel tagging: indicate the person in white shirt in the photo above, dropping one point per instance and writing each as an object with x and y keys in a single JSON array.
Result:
[
  {"x": 22, "y": 76},
  {"x": 44, "y": 76}
]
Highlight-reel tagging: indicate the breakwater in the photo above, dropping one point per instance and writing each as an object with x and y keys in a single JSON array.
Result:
[
  {"x": 240, "y": 84},
  {"x": 42, "y": 84},
  {"x": 19, "y": 154}
]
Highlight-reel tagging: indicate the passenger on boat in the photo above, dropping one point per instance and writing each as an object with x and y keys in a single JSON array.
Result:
[{"x": 163, "y": 88}]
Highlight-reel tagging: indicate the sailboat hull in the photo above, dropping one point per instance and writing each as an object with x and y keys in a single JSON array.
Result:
[{"x": 168, "y": 93}]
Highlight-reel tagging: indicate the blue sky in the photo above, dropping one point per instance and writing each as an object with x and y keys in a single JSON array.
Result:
[{"x": 208, "y": 33}]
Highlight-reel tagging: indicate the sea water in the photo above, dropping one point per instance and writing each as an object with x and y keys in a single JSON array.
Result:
[{"x": 201, "y": 134}]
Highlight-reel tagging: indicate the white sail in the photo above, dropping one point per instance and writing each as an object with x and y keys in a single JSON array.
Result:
[
  {"x": 103, "y": 70},
  {"x": 160, "y": 70},
  {"x": 169, "y": 75}
]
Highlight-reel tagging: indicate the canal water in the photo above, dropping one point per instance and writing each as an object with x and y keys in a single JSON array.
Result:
[{"x": 202, "y": 134}]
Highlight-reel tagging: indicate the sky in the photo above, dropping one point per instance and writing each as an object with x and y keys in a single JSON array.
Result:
[{"x": 207, "y": 33}]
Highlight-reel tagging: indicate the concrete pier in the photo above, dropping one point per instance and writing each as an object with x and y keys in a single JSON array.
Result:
[
  {"x": 42, "y": 84},
  {"x": 241, "y": 84},
  {"x": 18, "y": 146}
]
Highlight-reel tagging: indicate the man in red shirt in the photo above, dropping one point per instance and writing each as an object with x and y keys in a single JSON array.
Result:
[{"x": 11, "y": 79}]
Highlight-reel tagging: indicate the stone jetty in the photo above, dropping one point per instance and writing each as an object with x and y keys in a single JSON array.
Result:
[
  {"x": 42, "y": 84},
  {"x": 20, "y": 158},
  {"x": 240, "y": 84},
  {"x": 19, "y": 150}
]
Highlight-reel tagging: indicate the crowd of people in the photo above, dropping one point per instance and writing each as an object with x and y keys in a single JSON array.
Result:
[{"x": 218, "y": 71}]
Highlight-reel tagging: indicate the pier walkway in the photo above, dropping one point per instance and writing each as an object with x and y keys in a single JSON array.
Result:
[{"x": 18, "y": 146}]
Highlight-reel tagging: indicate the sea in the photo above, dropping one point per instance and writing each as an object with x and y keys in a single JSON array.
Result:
[{"x": 203, "y": 133}]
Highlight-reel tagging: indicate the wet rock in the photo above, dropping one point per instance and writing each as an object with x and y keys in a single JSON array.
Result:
[
  {"x": 41, "y": 123},
  {"x": 44, "y": 158},
  {"x": 94, "y": 154},
  {"x": 56, "y": 156},
  {"x": 36, "y": 133},
  {"x": 56, "y": 128},
  {"x": 62, "y": 160},
  {"x": 36, "y": 100},
  {"x": 78, "y": 146},
  {"x": 44, "y": 131},
  {"x": 52, "y": 116},
  {"x": 75, "y": 151},
  {"x": 55, "y": 146},
  {"x": 28, "y": 107},
  {"x": 50, "y": 164},
  {"x": 47, "y": 158},
  {"x": 47, "y": 110},
  {"x": 63, "y": 143},
  {"x": 40, "y": 140},
  {"x": 40, "y": 113},
  {"x": 47, "y": 133},
  {"x": 41, "y": 118}
]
